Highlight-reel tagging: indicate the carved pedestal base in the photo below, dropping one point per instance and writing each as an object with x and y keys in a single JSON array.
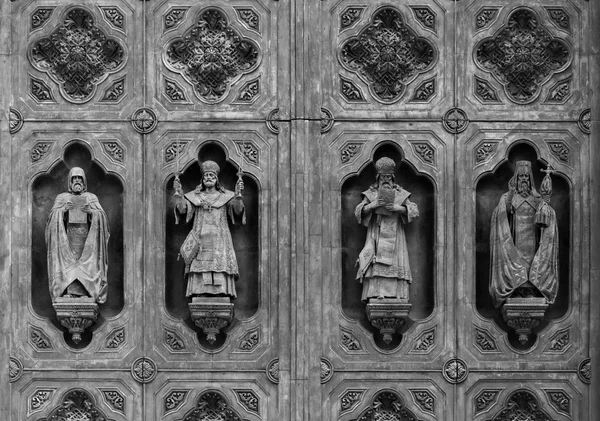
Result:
[
  {"x": 211, "y": 314},
  {"x": 388, "y": 315},
  {"x": 524, "y": 314},
  {"x": 76, "y": 314}
]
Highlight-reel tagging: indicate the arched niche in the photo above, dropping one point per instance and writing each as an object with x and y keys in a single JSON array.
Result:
[
  {"x": 245, "y": 242},
  {"x": 489, "y": 189},
  {"x": 109, "y": 189},
  {"x": 420, "y": 237}
]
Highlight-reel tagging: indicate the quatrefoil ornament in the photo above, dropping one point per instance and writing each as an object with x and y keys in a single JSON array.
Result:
[
  {"x": 387, "y": 54},
  {"x": 78, "y": 55},
  {"x": 523, "y": 56},
  {"x": 211, "y": 56}
]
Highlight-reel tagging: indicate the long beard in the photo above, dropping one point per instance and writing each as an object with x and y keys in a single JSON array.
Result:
[{"x": 524, "y": 189}]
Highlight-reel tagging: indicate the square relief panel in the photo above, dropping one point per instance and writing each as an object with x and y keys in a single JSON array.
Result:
[
  {"x": 380, "y": 59},
  {"x": 74, "y": 60},
  {"x": 527, "y": 59},
  {"x": 66, "y": 306},
  {"x": 182, "y": 333},
  {"x": 517, "y": 306},
  {"x": 356, "y": 331},
  {"x": 215, "y": 59}
]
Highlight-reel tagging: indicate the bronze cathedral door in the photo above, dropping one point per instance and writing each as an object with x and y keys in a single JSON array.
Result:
[{"x": 299, "y": 210}]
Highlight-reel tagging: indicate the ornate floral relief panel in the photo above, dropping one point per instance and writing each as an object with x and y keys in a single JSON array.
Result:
[
  {"x": 490, "y": 153},
  {"x": 420, "y": 154},
  {"x": 42, "y": 161},
  {"x": 355, "y": 396},
  {"x": 77, "y": 59},
  {"x": 91, "y": 396},
  {"x": 386, "y": 59},
  {"x": 202, "y": 395},
  {"x": 214, "y": 59},
  {"x": 491, "y": 397},
  {"x": 250, "y": 338},
  {"x": 529, "y": 58}
]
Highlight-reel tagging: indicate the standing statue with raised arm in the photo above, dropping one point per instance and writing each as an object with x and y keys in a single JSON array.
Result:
[
  {"x": 383, "y": 263},
  {"x": 524, "y": 251},
  {"x": 210, "y": 262},
  {"x": 77, "y": 241}
]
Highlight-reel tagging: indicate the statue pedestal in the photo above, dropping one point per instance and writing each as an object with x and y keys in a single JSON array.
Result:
[
  {"x": 211, "y": 314},
  {"x": 388, "y": 315},
  {"x": 76, "y": 314},
  {"x": 524, "y": 314}
]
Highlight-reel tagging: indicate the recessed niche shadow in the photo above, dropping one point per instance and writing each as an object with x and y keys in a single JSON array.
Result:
[
  {"x": 245, "y": 243},
  {"x": 420, "y": 237},
  {"x": 109, "y": 190},
  {"x": 489, "y": 189}
]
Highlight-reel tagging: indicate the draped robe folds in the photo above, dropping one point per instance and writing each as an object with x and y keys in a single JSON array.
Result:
[
  {"x": 64, "y": 264},
  {"x": 383, "y": 265},
  {"x": 212, "y": 267},
  {"x": 511, "y": 268}
]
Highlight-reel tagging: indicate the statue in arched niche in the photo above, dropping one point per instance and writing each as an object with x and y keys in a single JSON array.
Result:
[
  {"x": 524, "y": 251},
  {"x": 77, "y": 241},
  {"x": 210, "y": 263},
  {"x": 383, "y": 263}
]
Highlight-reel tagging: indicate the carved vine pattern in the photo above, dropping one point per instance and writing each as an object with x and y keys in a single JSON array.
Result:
[
  {"x": 174, "y": 92},
  {"x": 485, "y": 91},
  {"x": 174, "y": 400},
  {"x": 116, "y": 338},
  {"x": 349, "y": 17},
  {"x": 424, "y": 399},
  {"x": 115, "y": 399},
  {"x": 39, "y": 150},
  {"x": 212, "y": 406},
  {"x": 484, "y": 151},
  {"x": 425, "y": 152},
  {"x": 40, "y": 16},
  {"x": 560, "y": 150},
  {"x": 249, "y": 91},
  {"x": 115, "y": 91},
  {"x": 250, "y": 340},
  {"x": 386, "y": 406},
  {"x": 174, "y": 17},
  {"x": 114, "y": 17},
  {"x": 249, "y": 400},
  {"x": 349, "y": 151},
  {"x": 174, "y": 151},
  {"x": 424, "y": 91},
  {"x": 560, "y": 18},
  {"x": 349, "y": 399},
  {"x": 522, "y": 405},
  {"x": 485, "y": 17},
  {"x": 560, "y": 91},
  {"x": 115, "y": 152},
  {"x": 484, "y": 341},
  {"x": 78, "y": 56},
  {"x": 560, "y": 341},
  {"x": 249, "y": 17},
  {"x": 211, "y": 55},
  {"x": 485, "y": 399},
  {"x": 425, "y": 17},
  {"x": 40, "y": 90},
  {"x": 350, "y": 91},
  {"x": 387, "y": 55},
  {"x": 39, "y": 339},
  {"x": 39, "y": 399},
  {"x": 349, "y": 341},
  {"x": 559, "y": 400},
  {"x": 522, "y": 56},
  {"x": 77, "y": 405},
  {"x": 425, "y": 341}
]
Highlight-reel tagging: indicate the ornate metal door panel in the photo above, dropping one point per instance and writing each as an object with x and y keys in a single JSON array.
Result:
[{"x": 301, "y": 101}]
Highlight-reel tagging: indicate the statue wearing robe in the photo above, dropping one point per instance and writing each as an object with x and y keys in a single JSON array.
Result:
[
  {"x": 210, "y": 262},
  {"x": 383, "y": 264},
  {"x": 77, "y": 240},
  {"x": 524, "y": 241}
]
